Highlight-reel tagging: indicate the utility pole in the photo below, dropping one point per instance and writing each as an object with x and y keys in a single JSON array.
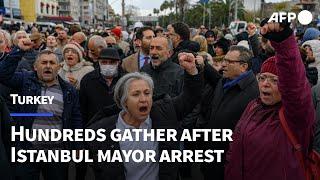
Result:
[
  {"x": 11, "y": 12},
  {"x": 209, "y": 11},
  {"x": 107, "y": 7},
  {"x": 94, "y": 12},
  {"x": 123, "y": 8},
  {"x": 254, "y": 11},
  {"x": 204, "y": 14},
  {"x": 81, "y": 12},
  {"x": 236, "y": 10}
]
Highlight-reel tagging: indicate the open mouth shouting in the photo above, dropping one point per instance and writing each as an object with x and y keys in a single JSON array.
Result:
[
  {"x": 143, "y": 109},
  {"x": 47, "y": 72}
]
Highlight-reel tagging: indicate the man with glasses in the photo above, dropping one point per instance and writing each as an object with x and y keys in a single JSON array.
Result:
[
  {"x": 136, "y": 61},
  {"x": 224, "y": 100}
]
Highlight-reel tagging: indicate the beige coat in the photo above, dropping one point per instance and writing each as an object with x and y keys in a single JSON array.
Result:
[
  {"x": 78, "y": 71},
  {"x": 131, "y": 63}
]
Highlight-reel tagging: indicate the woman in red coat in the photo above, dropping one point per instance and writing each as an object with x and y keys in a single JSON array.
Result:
[{"x": 261, "y": 149}]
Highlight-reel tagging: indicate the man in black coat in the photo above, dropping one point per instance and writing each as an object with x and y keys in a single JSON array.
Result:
[
  {"x": 167, "y": 76},
  {"x": 224, "y": 100},
  {"x": 179, "y": 35},
  {"x": 97, "y": 86},
  {"x": 97, "y": 91},
  {"x": 163, "y": 114}
]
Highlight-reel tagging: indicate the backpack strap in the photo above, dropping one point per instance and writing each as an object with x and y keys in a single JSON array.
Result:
[{"x": 293, "y": 140}]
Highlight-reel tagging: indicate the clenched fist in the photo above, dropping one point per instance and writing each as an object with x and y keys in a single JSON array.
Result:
[
  {"x": 187, "y": 62},
  {"x": 25, "y": 44},
  {"x": 270, "y": 28},
  {"x": 273, "y": 31}
]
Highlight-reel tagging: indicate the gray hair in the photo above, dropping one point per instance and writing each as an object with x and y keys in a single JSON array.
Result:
[
  {"x": 15, "y": 36},
  {"x": 19, "y": 32},
  {"x": 98, "y": 41},
  {"x": 121, "y": 89},
  {"x": 7, "y": 37},
  {"x": 48, "y": 52},
  {"x": 245, "y": 54},
  {"x": 81, "y": 34}
]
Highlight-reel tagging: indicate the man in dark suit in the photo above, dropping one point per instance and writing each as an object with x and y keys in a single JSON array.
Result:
[{"x": 137, "y": 60}]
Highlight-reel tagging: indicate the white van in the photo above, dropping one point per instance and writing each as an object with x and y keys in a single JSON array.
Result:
[{"x": 237, "y": 27}]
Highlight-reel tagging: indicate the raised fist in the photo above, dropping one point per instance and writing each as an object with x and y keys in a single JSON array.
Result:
[
  {"x": 187, "y": 62},
  {"x": 270, "y": 28},
  {"x": 273, "y": 31},
  {"x": 251, "y": 29},
  {"x": 25, "y": 44}
]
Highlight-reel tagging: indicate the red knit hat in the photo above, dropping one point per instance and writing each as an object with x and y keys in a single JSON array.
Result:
[
  {"x": 269, "y": 66},
  {"x": 116, "y": 31}
]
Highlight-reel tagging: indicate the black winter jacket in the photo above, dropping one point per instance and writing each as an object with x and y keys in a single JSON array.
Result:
[
  {"x": 165, "y": 114},
  {"x": 167, "y": 78},
  {"x": 95, "y": 94},
  {"x": 221, "y": 109},
  {"x": 184, "y": 45}
]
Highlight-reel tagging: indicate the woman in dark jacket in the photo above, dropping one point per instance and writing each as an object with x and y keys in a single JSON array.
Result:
[
  {"x": 133, "y": 94},
  {"x": 260, "y": 148}
]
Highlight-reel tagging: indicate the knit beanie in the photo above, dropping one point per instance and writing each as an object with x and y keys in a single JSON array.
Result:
[
  {"x": 269, "y": 66},
  {"x": 310, "y": 34},
  {"x": 76, "y": 47}
]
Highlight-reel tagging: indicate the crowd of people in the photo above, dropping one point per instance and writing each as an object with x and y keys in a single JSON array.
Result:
[{"x": 167, "y": 78}]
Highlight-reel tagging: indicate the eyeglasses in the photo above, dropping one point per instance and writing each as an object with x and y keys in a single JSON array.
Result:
[
  {"x": 271, "y": 79},
  {"x": 70, "y": 50},
  {"x": 229, "y": 61}
]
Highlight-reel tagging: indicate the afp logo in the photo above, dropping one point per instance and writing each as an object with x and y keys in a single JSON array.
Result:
[{"x": 304, "y": 17}]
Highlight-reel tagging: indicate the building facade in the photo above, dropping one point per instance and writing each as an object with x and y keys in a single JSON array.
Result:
[
  {"x": 69, "y": 8},
  {"x": 95, "y": 11},
  {"x": 252, "y": 5},
  {"x": 5, "y": 8}
]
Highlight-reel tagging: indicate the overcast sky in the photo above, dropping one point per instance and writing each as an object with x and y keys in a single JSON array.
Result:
[{"x": 146, "y": 6}]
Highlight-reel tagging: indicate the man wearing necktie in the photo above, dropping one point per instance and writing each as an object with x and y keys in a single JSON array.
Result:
[{"x": 136, "y": 61}]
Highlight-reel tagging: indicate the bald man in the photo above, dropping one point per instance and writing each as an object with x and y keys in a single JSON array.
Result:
[
  {"x": 80, "y": 38},
  {"x": 167, "y": 75}
]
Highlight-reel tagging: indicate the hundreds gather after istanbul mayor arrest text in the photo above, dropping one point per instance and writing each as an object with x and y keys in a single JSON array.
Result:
[
  {"x": 159, "y": 135},
  {"x": 137, "y": 156}
]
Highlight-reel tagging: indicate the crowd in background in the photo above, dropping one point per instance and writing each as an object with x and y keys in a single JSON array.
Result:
[{"x": 247, "y": 79}]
